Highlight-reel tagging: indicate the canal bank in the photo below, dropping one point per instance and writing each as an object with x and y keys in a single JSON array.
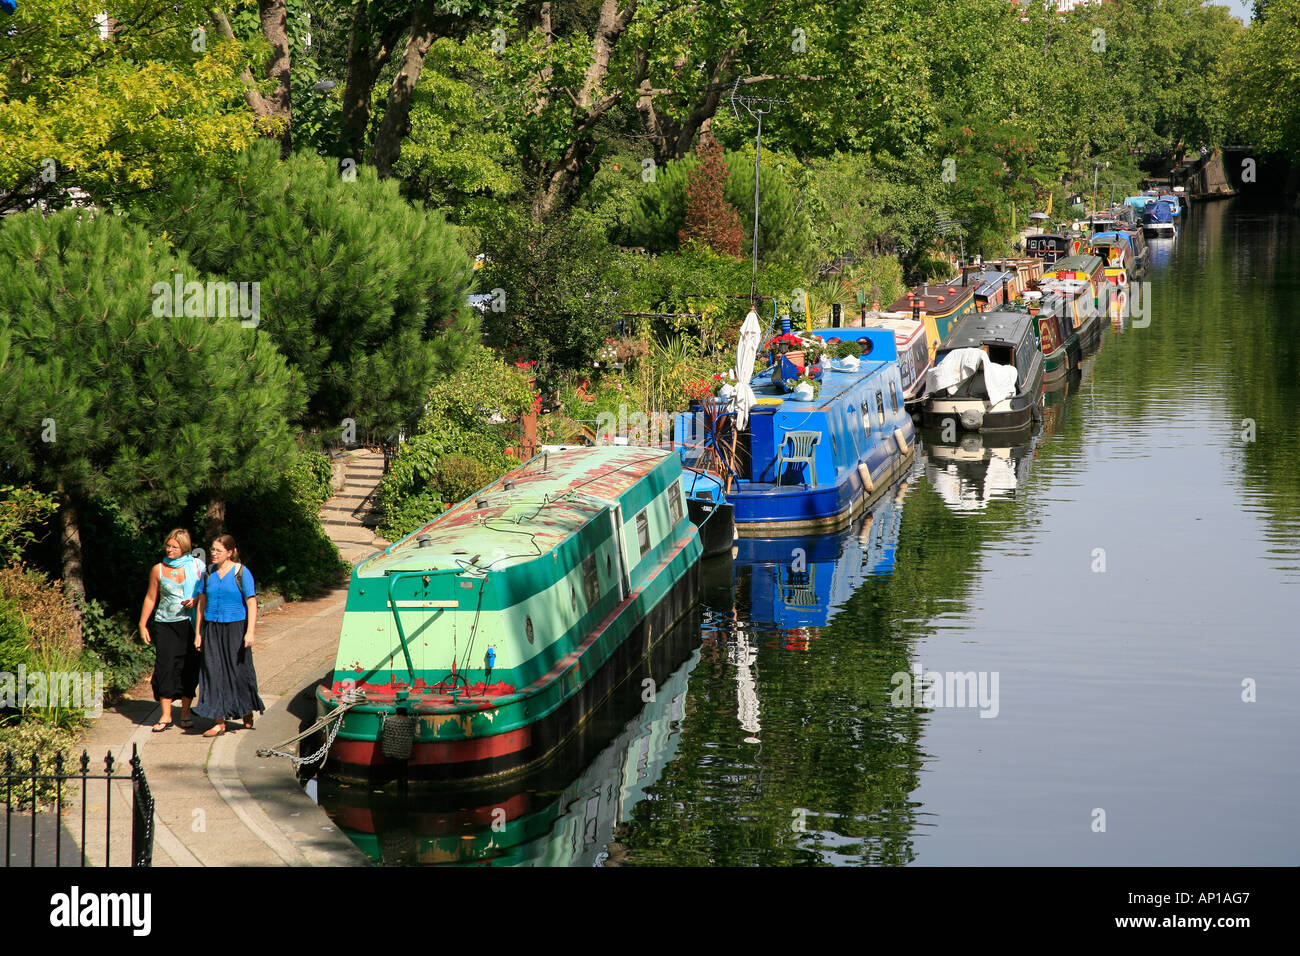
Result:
[{"x": 216, "y": 802}]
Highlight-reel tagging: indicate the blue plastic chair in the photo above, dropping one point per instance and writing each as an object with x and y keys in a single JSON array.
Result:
[{"x": 798, "y": 448}]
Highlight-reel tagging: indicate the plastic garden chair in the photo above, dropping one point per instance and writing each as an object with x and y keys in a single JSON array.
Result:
[{"x": 798, "y": 447}]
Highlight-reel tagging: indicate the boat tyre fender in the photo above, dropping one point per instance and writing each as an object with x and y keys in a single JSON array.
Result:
[
  {"x": 864, "y": 472},
  {"x": 901, "y": 441},
  {"x": 397, "y": 738}
]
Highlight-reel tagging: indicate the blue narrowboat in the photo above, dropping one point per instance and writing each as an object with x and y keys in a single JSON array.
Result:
[{"x": 807, "y": 465}]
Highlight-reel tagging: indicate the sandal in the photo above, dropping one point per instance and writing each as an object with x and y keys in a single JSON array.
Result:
[
  {"x": 216, "y": 730},
  {"x": 161, "y": 726},
  {"x": 248, "y": 720}
]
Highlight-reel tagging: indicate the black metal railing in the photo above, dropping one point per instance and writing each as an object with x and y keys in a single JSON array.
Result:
[{"x": 23, "y": 785}]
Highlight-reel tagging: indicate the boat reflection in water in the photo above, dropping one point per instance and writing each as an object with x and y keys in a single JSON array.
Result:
[
  {"x": 979, "y": 469},
  {"x": 795, "y": 584},
  {"x": 563, "y": 813}
]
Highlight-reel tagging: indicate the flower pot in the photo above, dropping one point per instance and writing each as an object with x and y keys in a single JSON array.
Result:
[{"x": 803, "y": 392}]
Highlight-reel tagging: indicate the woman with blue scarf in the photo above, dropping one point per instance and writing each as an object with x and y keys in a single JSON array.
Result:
[{"x": 171, "y": 600}]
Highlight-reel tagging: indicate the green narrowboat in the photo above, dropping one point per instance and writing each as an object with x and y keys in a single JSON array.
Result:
[{"x": 476, "y": 645}]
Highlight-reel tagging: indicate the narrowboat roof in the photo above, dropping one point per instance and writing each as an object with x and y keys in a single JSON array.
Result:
[
  {"x": 988, "y": 282},
  {"x": 552, "y": 496},
  {"x": 1087, "y": 264},
  {"x": 939, "y": 298},
  {"x": 985, "y": 327},
  {"x": 905, "y": 330}
]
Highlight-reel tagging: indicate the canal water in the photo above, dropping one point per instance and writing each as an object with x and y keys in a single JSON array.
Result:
[{"x": 1081, "y": 649}]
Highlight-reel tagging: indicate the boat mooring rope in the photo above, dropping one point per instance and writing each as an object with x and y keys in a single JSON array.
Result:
[{"x": 347, "y": 700}]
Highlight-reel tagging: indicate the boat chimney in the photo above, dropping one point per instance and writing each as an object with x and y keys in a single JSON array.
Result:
[
  {"x": 509, "y": 484},
  {"x": 424, "y": 541},
  {"x": 481, "y": 504},
  {"x": 916, "y": 312}
]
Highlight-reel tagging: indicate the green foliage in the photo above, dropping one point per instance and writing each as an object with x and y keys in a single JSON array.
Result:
[
  {"x": 457, "y": 448},
  {"x": 459, "y": 155},
  {"x": 23, "y": 512},
  {"x": 561, "y": 292},
  {"x": 362, "y": 293},
  {"x": 784, "y": 232},
  {"x": 27, "y": 737},
  {"x": 459, "y": 476},
  {"x": 113, "y": 644},
  {"x": 36, "y": 634},
  {"x": 110, "y": 400},
  {"x": 115, "y": 115},
  {"x": 1263, "y": 82},
  {"x": 280, "y": 534}
]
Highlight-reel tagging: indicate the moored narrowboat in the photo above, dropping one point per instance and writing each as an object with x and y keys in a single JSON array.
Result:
[
  {"x": 1048, "y": 246},
  {"x": 988, "y": 377},
  {"x": 809, "y": 465},
  {"x": 1158, "y": 217},
  {"x": 1057, "y": 339},
  {"x": 916, "y": 350},
  {"x": 477, "y": 644},
  {"x": 939, "y": 306},
  {"x": 1073, "y": 287}
]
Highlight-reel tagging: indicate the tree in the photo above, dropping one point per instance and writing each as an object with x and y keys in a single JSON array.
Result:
[
  {"x": 109, "y": 397},
  {"x": 362, "y": 293},
  {"x": 558, "y": 292},
  {"x": 117, "y": 111},
  {"x": 710, "y": 219},
  {"x": 1263, "y": 85}
]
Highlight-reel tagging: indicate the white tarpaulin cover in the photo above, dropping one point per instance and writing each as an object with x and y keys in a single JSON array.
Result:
[
  {"x": 746, "y": 353},
  {"x": 959, "y": 365}
]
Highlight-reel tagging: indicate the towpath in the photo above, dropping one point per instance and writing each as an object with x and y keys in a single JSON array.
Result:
[{"x": 216, "y": 802}]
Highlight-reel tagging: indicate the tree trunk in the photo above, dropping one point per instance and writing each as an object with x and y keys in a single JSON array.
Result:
[
  {"x": 367, "y": 56},
  {"x": 214, "y": 519},
  {"x": 560, "y": 179},
  {"x": 255, "y": 101},
  {"x": 74, "y": 581},
  {"x": 274, "y": 16},
  {"x": 396, "y": 122}
]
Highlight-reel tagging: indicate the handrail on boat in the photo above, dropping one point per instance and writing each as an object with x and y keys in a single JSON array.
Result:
[{"x": 397, "y": 618}]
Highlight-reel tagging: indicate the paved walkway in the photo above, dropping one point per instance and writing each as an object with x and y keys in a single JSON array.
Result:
[{"x": 216, "y": 802}]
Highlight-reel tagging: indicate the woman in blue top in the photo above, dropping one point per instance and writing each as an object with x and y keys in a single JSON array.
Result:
[
  {"x": 227, "y": 620},
  {"x": 171, "y": 598}
]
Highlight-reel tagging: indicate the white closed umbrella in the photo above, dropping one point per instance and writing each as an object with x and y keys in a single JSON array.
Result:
[{"x": 746, "y": 353}]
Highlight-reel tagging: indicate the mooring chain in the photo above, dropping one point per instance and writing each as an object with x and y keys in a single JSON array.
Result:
[{"x": 347, "y": 700}]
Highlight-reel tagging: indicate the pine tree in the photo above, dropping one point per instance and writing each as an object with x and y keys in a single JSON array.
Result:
[
  {"x": 364, "y": 294},
  {"x": 710, "y": 219},
  {"x": 105, "y": 398}
]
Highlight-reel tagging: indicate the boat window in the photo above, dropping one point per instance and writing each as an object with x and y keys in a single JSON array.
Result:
[
  {"x": 1002, "y": 354},
  {"x": 590, "y": 583},
  {"x": 643, "y": 533},
  {"x": 893, "y": 396},
  {"x": 573, "y": 598},
  {"x": 880, "y": 407},
  {"x": 675, "y": 505}
]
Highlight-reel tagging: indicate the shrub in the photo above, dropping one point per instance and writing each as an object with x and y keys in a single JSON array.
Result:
[
  {"x": 36, "y": 634},
  {"x": 23, "y": 738},
  {"x": 113, "y": 644},
  {"x": 22, "y": 512},
  {"x": 280, "y": 534},
  {"x": 459, "y": 476}
]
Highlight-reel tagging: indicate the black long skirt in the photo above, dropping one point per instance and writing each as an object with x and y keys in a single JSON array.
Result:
[
  {"x": 176, "y": 667},
  {"x": 227, "y": 681}
]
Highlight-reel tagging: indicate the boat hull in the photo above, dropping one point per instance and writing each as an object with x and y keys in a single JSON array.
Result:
[
  {"x": 816, "y": 510},
  {"x": 359, "y": 755},
  {"x": 716, "y": 523}
]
